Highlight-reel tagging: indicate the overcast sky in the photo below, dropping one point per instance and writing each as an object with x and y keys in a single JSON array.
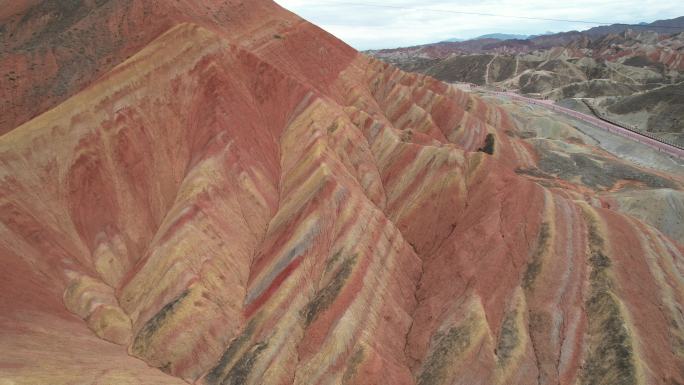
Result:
[{"x": 365, "y": 26}]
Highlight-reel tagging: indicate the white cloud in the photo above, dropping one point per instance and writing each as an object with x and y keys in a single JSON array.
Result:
[{"x": 375, "y": 24}]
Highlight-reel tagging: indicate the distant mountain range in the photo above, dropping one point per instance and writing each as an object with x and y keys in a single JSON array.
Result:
[
  {"x": 511, "y": 43},
  {"x": 497, "y": 36},
  {"x": 675, "y": 25}
]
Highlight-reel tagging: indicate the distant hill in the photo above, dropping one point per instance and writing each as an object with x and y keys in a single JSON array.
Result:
[
  {"x": 550, "y": 39},
  {"x": 503, "y": 36},
  {"x": 496, "y": 36},
  {"x": 675, "y": 25}
]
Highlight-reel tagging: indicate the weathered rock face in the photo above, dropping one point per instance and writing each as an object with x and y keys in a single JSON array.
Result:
[{"x": 256, "y": 203}]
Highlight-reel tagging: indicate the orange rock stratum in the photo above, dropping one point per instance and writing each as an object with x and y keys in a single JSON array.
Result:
[{"x": 218, "y": 192}]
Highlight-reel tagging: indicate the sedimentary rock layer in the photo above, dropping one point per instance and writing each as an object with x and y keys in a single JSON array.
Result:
[{"x": 258, "y": 203}]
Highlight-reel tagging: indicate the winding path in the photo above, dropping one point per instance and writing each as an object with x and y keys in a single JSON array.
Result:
[
  {"x": 487, "y": 69},
  {"x": 517, "y": 64}
]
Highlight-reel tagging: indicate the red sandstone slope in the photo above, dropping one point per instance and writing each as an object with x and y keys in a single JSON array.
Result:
[
  {"x": 52, "y": 49},
  {"x": 256, "y": 203}
]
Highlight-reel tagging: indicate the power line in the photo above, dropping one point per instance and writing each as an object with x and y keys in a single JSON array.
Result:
[{"x": 375, "y": 5}]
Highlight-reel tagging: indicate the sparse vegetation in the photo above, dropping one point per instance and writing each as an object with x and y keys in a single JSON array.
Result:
[
  {"x": 325, "y": 297},
  {"x": 535, "y": 265},
  {"x": 509, "y": 338},
  {"x": 447, "y": 347},
  {"x": 145, "y": 336},
  {"x": 610, "y": 360},
  {"x": 222, "y": 371}
]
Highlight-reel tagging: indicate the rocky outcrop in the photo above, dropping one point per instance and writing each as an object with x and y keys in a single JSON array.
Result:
[{"x": 258, "y": 203}]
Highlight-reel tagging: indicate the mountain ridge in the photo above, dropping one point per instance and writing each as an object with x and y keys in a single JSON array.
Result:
[
  {"x": 497, "y": 36},
  {"x": 665, "y": 26},
  {"x": 255, "y": 202}
]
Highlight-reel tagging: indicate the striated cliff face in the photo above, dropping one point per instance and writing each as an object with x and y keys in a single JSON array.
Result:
[{"x": 247, "y": 200}]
